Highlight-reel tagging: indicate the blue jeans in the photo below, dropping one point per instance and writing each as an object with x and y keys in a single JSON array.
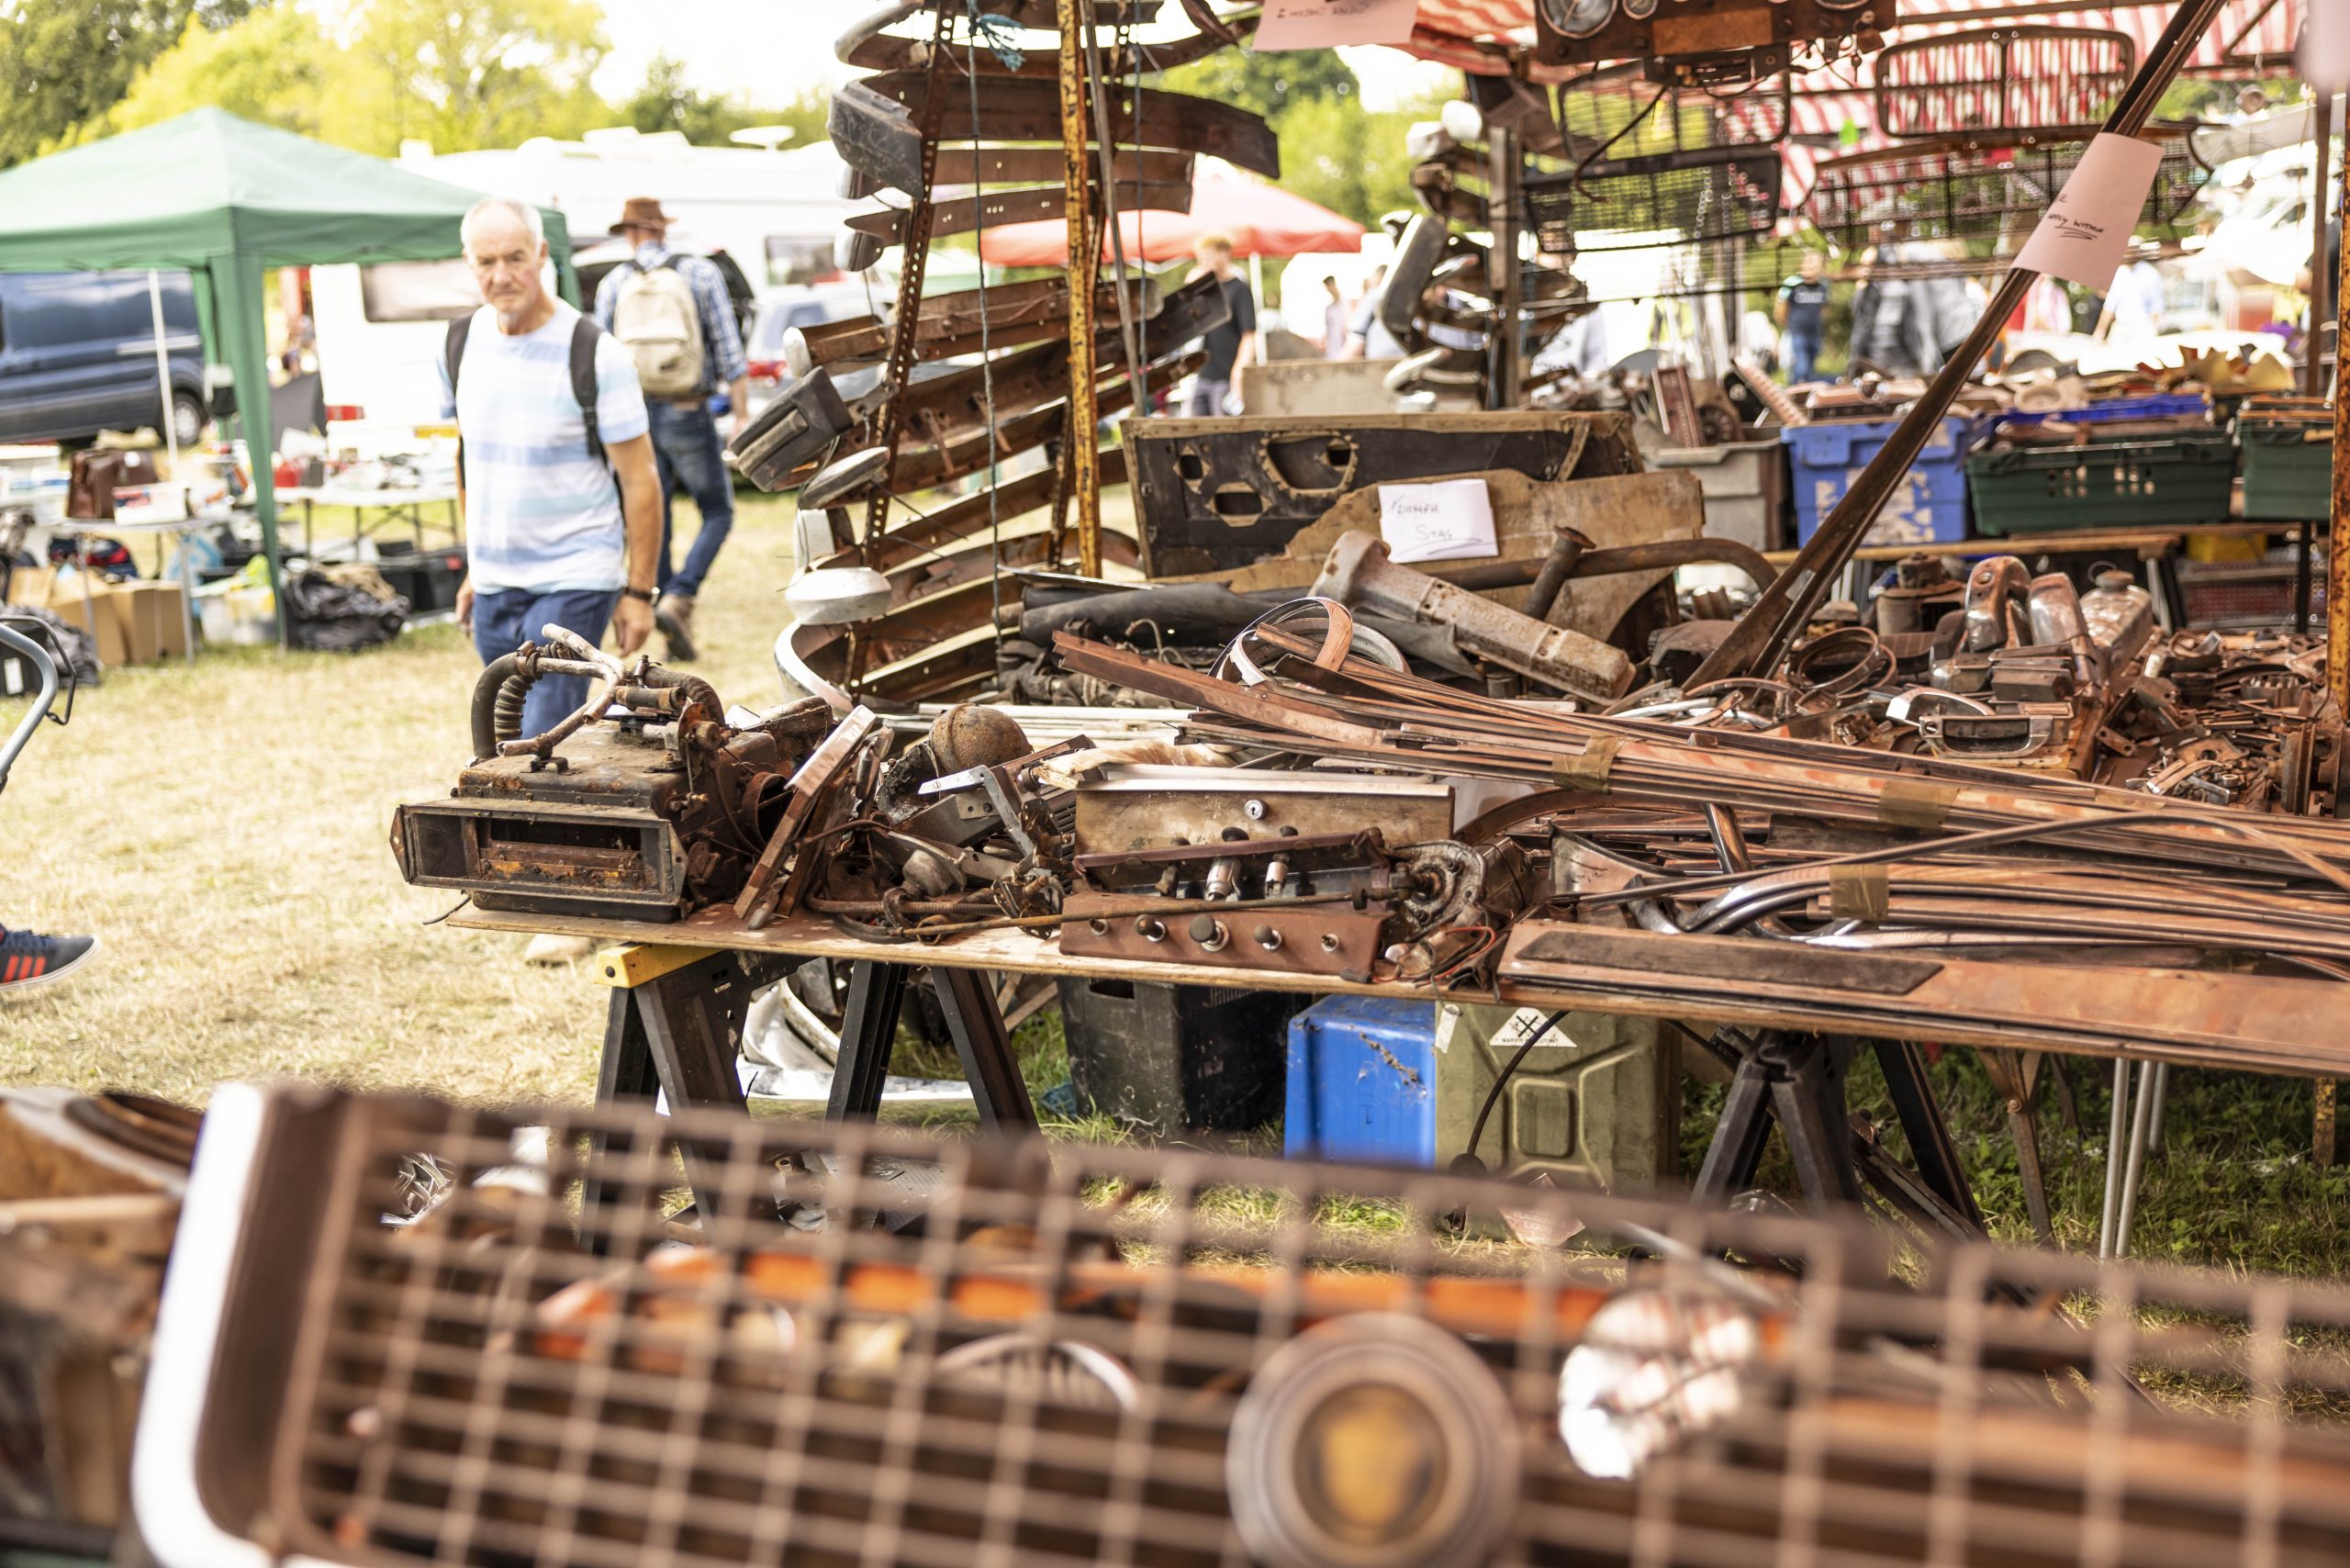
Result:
[
  {"x": 1207, "y": 398},
  {"x": 686, "y": 450},
  {"x": 504, "y": 619},
  {"x": 1803, "y": 356}
]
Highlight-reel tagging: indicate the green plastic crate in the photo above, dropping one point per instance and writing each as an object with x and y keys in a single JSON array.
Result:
[
  {"x": 2118, "y": 485},
  {"x": 2286, "y": 477}
]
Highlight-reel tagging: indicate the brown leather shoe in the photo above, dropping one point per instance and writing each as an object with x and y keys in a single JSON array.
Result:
[{"x": 672, "y": 616}]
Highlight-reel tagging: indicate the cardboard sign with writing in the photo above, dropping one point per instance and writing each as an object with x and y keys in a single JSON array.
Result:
[
  {"x": 2085, "y": 233},
  {"x": 1451, "y": 520},
  {"x": 1326, "y": 23}
]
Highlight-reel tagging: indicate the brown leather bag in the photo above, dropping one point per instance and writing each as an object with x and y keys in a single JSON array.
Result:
[{"x": 89, "y": 493}]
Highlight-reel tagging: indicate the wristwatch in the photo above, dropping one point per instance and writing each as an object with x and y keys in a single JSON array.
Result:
[{"x": 637, "y": 593}]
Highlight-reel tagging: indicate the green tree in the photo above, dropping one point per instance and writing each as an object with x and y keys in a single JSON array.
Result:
[
  {"x": 278, "y": 66},
  {"x": 668, "y": 102},
  {"x": 1350, "y": 159},
  {"x": 1271, "y": 85},
  {"x": 63, "y": 63},
  {"x": 484, "y": 73},
  {"x": 805, "y": 115}
]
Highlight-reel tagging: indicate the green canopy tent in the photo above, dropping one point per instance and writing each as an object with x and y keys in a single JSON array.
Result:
[{"x": 227, "y": 199}]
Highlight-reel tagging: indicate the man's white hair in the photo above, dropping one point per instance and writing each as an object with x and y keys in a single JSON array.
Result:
[{"x": 522, "y": 211}]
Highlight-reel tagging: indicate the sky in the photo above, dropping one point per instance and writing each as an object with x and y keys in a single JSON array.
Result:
[{"x": 771, "y": 51}]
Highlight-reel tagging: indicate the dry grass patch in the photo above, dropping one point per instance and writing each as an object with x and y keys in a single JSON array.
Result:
[{"x": 224, "y": 830}]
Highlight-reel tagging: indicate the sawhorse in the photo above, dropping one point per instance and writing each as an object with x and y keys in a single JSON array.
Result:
[
  {"x": 674, "y": 1027},
  {"x": 1797, "y": 1081}
]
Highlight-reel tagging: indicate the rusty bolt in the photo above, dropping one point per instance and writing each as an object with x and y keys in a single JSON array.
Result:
[
  {"x": 1268, "y": 938},
  {"x": 1329, "y": 942},
  {"x": 1209, "y": 932},
  {"x": 1151, "y": 930}
]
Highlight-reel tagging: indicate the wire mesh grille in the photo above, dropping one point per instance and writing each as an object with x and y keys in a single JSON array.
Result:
[
  {"x": 893, "y": 1353},
  {"x": 1664, "y": 199},
  {"x": 2003, "y": 79},
  {"x": 1965, "y": 189}
]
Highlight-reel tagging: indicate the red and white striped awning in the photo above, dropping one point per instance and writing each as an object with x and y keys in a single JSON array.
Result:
[
  {"x": 1480, "y": 35},
  {"x": 1496, "y": 38}
]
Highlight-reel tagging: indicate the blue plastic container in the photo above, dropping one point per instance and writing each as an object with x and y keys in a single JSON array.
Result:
[
  {"x": 2106, "y": 410},
  {"x": 1362, "y": 1081},
  {"x": 1928, "y": 507}
]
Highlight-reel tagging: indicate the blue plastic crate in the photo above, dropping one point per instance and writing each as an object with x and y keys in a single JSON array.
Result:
[
  {"x": 1928, "y": 507},
  {"x": 1362, "y": 1081},
  {"x": 2106, "y": 410}
]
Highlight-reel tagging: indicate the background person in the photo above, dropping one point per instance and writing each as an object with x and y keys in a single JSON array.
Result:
[
  {"x": 672, "y": 313},
  {"x": 562, "y": 516},
  {"x": 1228, "y": 345},
  {"x": 1801, "y": 313},
  {"x": 1333, "y": 322},
  {"x": 1368, "y": 337}
]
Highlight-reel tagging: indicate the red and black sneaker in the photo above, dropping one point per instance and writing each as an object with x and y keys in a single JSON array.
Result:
[{"x": 27, "y": 958}]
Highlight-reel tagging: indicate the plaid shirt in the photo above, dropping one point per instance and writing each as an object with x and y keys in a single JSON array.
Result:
[{"x": 722, "y": 343}]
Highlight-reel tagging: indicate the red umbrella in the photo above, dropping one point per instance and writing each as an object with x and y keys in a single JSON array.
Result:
[{"x": 1259, "y": 220}]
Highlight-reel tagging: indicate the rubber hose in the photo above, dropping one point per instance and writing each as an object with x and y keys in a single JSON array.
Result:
[
  {"x": 497, "y": 704},
  {"x": 697, "y": 689}
]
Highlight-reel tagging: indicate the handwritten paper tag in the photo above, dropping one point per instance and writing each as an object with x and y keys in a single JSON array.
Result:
[
  {"x": 2085, "y": 235},
  {"x": 1449, "y": 521},
  {"x": 1326, "y": 23}
]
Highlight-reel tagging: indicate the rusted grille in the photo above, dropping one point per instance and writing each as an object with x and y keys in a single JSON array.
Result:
[
  {"x": 1975, "y": 188},
  {"x": 2002, "y": 79},
  {"x": 1112, "y": 1355}
]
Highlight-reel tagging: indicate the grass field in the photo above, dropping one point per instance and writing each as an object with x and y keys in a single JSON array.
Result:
[{"x": 223, "y": 830}]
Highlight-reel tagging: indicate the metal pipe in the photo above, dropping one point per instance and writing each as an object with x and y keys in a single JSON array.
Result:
[
  {"x": 1760, "y": 639},
  {"x": 2142, "y": 1121},
  {"x": 1501, "y": 266},
  {"x": 1358, "y": 572},
  {"x": 2337, "y": 559},
  {"x": 2321, "y": 276},
  {"x": 2116, "y": 1134},
  {"x": 1558, "y": 563},
  {"x": 1582, "y": 562},
  {"x": 1078, "y": 431}
]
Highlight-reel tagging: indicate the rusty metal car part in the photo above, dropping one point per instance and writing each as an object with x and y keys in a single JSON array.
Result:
[
  {"x": 1147, "y": 806},
  {"x": 1358, "y": 573},
  {"x": 1333, "y": 939},
  {"x": 1724, "y": 43},
  {"x": 1212, "y": 495},
  {"x": 810, "y": 785},
  {"x": 521, "y": 1381},
  {"x": 802, "y": 420},
  {"x": 644, "y": 818},
  {"x": 948, "y": 324},
  {"x": 2001, "y": 78},
  {"x": 1027, "y": 110},
  {"x": 1398, "y": 719},
  {"x": 963, "y": 215}
]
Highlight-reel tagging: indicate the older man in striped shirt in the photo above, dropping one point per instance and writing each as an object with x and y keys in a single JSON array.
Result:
[{"x": 562, "y": 502}]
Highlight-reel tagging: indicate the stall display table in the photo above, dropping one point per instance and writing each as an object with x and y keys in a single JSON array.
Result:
[
  {"x": 373, "y": 508},
  {"x": 82, "y": 530}
]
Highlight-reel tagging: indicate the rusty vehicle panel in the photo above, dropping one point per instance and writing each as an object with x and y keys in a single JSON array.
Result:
[{"x": 1212, "y": 495}]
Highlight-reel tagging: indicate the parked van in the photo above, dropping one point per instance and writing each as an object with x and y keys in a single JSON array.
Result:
[{"x": 77, "y": 357}]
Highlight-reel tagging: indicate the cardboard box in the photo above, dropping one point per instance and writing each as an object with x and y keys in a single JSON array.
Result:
[
  {"x": 61, "y": 593},
  {"x": 152, "y": 626},
  {"x": 134, "y": 622}
]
